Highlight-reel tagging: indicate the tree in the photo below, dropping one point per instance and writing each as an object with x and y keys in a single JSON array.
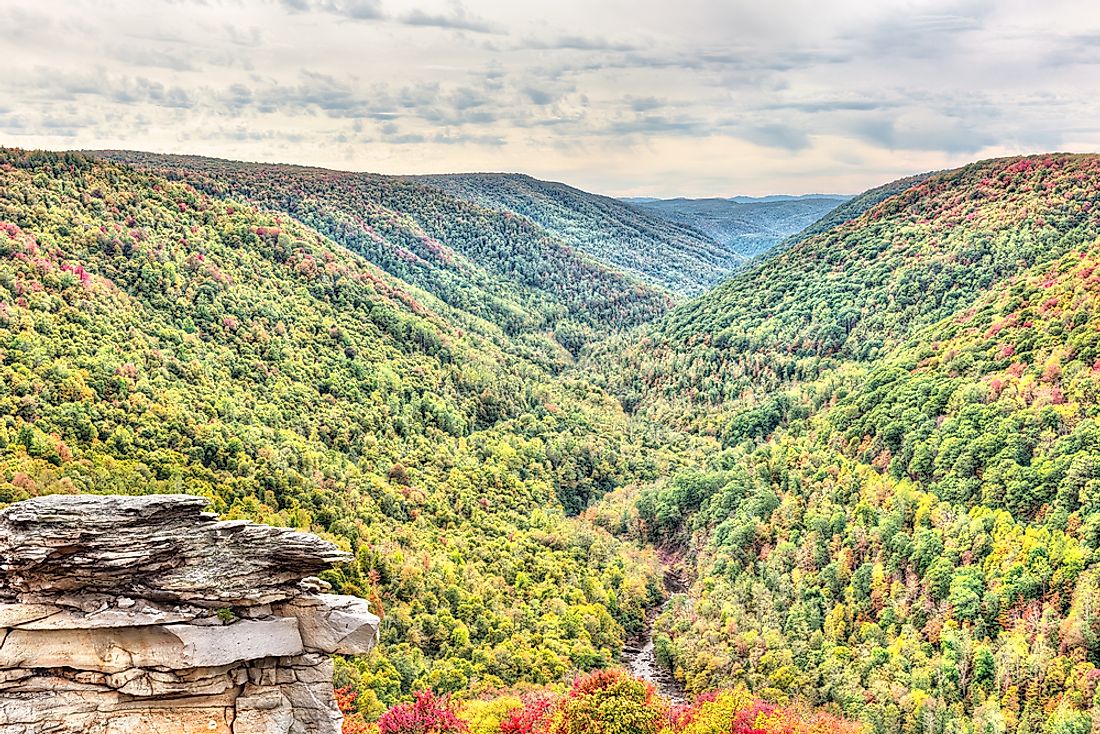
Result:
[
  {"x": 609, "y": 702},
  {"x": 427, "y": 714}
]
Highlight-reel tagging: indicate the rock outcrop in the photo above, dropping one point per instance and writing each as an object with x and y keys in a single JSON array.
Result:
[{"x": 147, "y": 614}]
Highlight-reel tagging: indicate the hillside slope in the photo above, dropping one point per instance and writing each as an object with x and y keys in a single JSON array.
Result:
[
  {"x": 851, "y": 209},
  {"x": 154, "y": 338},
  {"x": 669, "y": 254},
  {"x": 488, "y": 263},
  {"x": 925, "y": 549},
  {"x": 904, "y": 522},
  {"x": 850, "y": 293},
  {"x": 747, "y": 228},
  {"x": 897, "y": 517}
]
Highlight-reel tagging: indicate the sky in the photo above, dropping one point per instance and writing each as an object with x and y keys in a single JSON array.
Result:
[{"x": 638, "y": 98}]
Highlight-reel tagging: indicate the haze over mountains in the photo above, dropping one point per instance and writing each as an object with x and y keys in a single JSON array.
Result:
[
  {"x": 680, "y": 246},
  {"x": 680, "y": 258},
  {"x": 871, "y": 451},
  {"x": 744, "y": 225}
]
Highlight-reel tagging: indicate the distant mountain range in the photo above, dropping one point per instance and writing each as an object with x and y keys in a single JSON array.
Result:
[
  {"x": 682, "y": 245},
  {"x": 661, "y": 251},
  {"x": 744, "y": 225},
  {"x": 737, "y": 199}
]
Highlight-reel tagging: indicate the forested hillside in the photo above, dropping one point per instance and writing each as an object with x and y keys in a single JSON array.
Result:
[
  {"x": 873, "y": 458},
  {"x": 676, "y": 257},
  {"x": 908, "y": 528},
  {"x": 491, "y": 264},
  {"x": 851, "y": 209},
  {"x": 747, "y": 228},
  {"x": 154, "y": 338},
  {"x": 851, "y": 293},
  {"x": 922, "y": 552}
]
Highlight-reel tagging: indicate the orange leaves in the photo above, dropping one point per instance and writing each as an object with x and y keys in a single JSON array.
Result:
[{"x": 354, "y": 723}]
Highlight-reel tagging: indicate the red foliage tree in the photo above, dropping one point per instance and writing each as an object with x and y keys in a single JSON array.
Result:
[
  {"x": 532, "y": 718},
  {"x": 427, "y": 714}
]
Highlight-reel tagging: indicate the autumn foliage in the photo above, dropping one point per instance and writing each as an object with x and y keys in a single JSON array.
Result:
[
  {"x": 354, "y": 723},
  {"x": 427, "y": 714},
  {"x": 613, "y": 702},
  {"x": 609, "y": 702},
  {"x": 532, "y": 718}
]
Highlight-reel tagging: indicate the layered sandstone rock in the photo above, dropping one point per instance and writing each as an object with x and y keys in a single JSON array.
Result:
[{"x": 147, "y": 614}]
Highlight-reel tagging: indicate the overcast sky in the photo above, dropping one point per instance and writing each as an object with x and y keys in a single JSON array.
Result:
[{"x": 639, "y": 97}]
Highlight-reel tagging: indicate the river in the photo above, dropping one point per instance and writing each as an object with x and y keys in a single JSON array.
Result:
[{"x": 640, "y": 658}]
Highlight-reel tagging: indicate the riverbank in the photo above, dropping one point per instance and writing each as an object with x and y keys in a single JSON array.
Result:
[{"x": 639, "y": 654}]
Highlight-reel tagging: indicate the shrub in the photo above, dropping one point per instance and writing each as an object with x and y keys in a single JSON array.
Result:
[
  {"x": 427, "y": 714},
  {"x": 354, "y": 723},
  {"x": 609, "y": 702},
  {"x": 532, "y": 718}
]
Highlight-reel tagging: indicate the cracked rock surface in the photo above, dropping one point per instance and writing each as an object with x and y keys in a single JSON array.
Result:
[{"x": 147, "y": 614}]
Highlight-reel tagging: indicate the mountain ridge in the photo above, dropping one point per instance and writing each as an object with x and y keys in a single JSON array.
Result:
[
  {"x": 493, "y": 265},
  {"x": 751, "y": 228},
  {"x": 847, "y": 291},
  {"x": 676, "y": 257}
]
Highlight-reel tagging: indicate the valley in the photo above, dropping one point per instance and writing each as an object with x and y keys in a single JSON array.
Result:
[
  {"x": 842, "y": 477},
  {"x": 745, "y": 226},
  {"x": 639, "y": 655}
]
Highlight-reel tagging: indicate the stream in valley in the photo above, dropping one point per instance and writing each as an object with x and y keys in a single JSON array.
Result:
[{"x": 639, "y": 656}]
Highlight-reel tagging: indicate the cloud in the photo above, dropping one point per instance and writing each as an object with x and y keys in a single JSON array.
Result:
[
  {"x": 313, "y": 91},
  {"x": 644, "y": 104},
  {"x": 539, "y": 96},
  {"x": 834, "y": 104},
  {"x": 919, "y": 31},
  {"x": 353, "y": 9},
  {"x": 576, "y": 43},
  {"x": 1074, "y": 50},
  {"x": 51, "y": 86},
  {"x": 465, "y": 98},
  {"x": 926, "y": 130},
  {"x": 842, "y": 89},
  {"x": 245, "y": 134},
  {"x": 407, "y": 139},
  {"x": 152, "y": 58},
  {"x": 454, "y": 138},
  {"x": 776, "y": 135},
  {"x": 657, "y": 124},
  {"x": 340, "y": 99},
  {"x": 246, "y": 37},
  {"x": 21, "y": 23},
  {"x": 458, "y": 19},
  {"x": 140, "y": 90}
]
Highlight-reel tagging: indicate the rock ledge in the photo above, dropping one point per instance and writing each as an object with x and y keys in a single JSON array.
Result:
[{"x": 148, "y": 614}]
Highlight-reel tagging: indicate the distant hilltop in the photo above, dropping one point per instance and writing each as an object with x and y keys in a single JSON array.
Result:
[{"x": 737, "y": 199}]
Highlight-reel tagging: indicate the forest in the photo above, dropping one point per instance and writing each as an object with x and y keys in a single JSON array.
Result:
[
  {"x": 675, "y": 256},
  {"x": 871, "y": 453}
]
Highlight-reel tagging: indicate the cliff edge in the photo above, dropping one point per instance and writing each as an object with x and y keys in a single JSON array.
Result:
[{"x": 148, "y": 614}]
